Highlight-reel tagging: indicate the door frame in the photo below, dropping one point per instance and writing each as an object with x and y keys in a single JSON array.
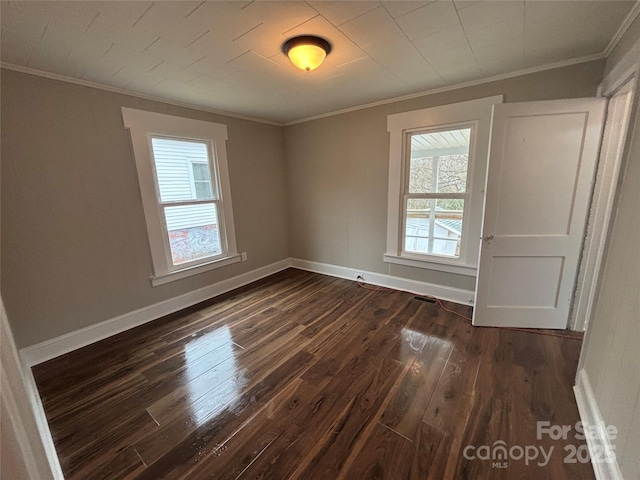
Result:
[
  {"x": 33, "y": 450},
  {"x": 601, "y": 208}
]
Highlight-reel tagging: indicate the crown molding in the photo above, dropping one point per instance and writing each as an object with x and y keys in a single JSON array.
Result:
[
  {"x": 131, "y": 93},
  {"x": 624, "y": 26},
  {"x": 448, "y": 88},
  {"x": 504, "y": 76}
]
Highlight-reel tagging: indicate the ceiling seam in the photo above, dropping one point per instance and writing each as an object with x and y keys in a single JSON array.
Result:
[
  {"x": 91, "y": 22},
  {"x": 196, "y": 8},
  {"x": 354, "y": 18},
  {"x": 411, "y": 41},
  {"x": 143, "y": 14},
  {"x": 205, "y": 33},
  {"x": 358, "y": 46},
  {"x": 466, "y": 37},
  {"x": 302, "y": 23}
]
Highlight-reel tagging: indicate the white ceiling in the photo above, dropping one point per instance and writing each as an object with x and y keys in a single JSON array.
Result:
[{"x": 226, "y": 55}]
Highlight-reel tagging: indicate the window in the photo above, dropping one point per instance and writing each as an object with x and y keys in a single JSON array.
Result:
[
  {"x": 436, "y": 191},
  {"x": 437, "y": 172},
  {"x": 186, "y": 198},
  {"x": 182, "y": 169}
]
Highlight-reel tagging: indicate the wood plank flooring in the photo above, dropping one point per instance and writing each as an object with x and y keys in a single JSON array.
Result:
[{"x": 306, "y": 376}]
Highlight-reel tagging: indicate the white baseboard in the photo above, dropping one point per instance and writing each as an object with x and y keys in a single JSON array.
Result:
[
  {"x": 41, "y": 352},
  {"x": 591, "y": 417},
  {"x": 456, "y": 295}
]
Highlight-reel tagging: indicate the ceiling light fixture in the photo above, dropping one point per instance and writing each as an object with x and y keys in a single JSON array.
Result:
[{"x": 306, "y": 52}]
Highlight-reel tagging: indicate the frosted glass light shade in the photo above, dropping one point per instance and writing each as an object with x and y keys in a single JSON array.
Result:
[
  {"x": 306, "y": 52},
  {"x": 307, "y": 57}
]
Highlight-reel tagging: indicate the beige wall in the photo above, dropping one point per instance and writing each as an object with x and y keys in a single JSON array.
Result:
[
  {"x": 337, "y": 172},
  {"x": 74, "y": 244},
  {"x": 611, "y": 351},
  {"x": 75, "y": 250}
]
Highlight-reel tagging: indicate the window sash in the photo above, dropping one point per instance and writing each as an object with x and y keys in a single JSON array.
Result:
[
  {"x": 191, "y": 161},
  {"x": 431, "y": 237},
  {"x": 406, "y": 158},
  {"x": 449, "y": 239},
  {"x": 178, "y": 203},
  {"x": 406, "y": 195},
  {"x": 407, "y": 170},
  {"x": 216, "y": 200},
  {"x": 437, "y": 196},
  {"x": 224, "y": 251}
]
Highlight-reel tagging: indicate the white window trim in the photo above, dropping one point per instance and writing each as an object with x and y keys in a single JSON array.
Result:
[
  {"x": 142, "y": 126},
  {"x": 194, "y": 270},
  {"x": 473, "y": 112}
]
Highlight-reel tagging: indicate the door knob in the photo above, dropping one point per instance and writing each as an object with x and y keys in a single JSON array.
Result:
[{"x": 489, "y": 237}]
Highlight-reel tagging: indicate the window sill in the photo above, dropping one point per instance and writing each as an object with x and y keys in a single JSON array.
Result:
[
  {"x": 187, "y": 272},
  {"x": 443, "y": 266}
]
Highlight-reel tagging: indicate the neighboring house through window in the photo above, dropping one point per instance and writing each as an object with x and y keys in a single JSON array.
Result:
[
  {"x": 182, "y": 168},
  {"x": 437, "y": 171}
]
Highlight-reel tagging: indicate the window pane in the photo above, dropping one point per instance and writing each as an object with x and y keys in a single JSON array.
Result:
[
  {"x": 193, "y": 232},
  {"x": 417, "y": 226},
  {"x": 434, "y": 226},
  {"x": 203, "y": 190},
  {"x": 200, "y": 172},
  {"x": 439, "y": 161},
  {"x": 177, "y": 163},
  {"x": 202, "y": 181}
]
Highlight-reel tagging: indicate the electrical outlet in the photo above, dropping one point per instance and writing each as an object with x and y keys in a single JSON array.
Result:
[{"x": 244, "y": 256}]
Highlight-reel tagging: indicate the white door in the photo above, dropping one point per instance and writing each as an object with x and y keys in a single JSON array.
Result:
[{"x": 541, "y": 168}]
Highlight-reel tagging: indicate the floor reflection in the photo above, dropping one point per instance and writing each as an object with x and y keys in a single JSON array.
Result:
[
  {"x": 412, "y": 342},
  {"x": 213, "y": 390}
]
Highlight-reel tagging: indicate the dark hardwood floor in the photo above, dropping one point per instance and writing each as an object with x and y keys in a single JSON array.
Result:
[{"x": 306, "y": 376}]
